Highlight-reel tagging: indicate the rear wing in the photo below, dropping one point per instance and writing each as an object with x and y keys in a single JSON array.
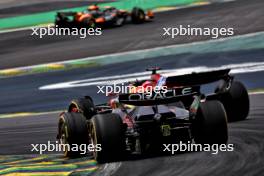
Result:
[
  {"x": 154, "y": 98},
  {"x": 181, "y": 88},
  {"x": 198, "y": 78},
  {"x": 65, "y": 14}
]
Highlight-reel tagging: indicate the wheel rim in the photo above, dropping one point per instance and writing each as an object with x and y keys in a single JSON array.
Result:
[
  {"x": 119, "y": 21},
  {"x": 93, "y": 139},
  {"x": 64, "y": 139},
  {"x": 141, "y": 16}
]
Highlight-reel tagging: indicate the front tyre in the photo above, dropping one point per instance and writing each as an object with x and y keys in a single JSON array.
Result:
[{"x": 83, "y": 105}]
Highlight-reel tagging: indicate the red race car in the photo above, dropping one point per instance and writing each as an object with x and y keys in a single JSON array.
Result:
[{"x": 139, "y": 121}]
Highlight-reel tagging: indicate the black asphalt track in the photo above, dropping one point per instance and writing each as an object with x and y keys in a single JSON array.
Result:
[
  {"x": 22, "y": 94},
  {"x": 31, "y": 8},
  {"x": 20, "y": 48},
  {"x": 17, "y": 135},
  {"x": 246, "y": 159}
]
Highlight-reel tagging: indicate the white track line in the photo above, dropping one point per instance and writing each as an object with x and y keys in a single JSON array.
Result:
[
  {"x": 117, "y": 79},
  {"x": 24, "y": 28},
  {"x": 137, "y": 52},
  {"x": 256, "y": 93}
]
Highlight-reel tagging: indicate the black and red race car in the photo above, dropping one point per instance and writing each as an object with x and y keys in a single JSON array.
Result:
[
  {"x": 141, "y": 121},
  {"x": 96, "y": 17}
]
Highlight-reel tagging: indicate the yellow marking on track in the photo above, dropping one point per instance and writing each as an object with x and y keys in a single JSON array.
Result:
[
  {"x": 162, "y": 9},
  {"x": 26, "y": 114},
  {"x": 85, "y": 162},
  {"x": 10, "y": 72},
  {"x": 45, "y": 25},
  {"x": 201, "y": 3},
  {"x": 39, "y": 174},
  {"x": 34, "y": 164},
  {"x": 24, "y": 160},
  {"x": 69, "y": 165},
  {"x": 55, "y": 66},
  {"x": 27, "y": 165}
]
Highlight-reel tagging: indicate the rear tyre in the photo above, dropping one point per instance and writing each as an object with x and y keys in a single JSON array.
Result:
[
  {"x": 88, "y": 23},
  {"x": 61, "y": 21},
  {"x": 236, "y": 101},
  {"x": 83, "y": 105},
  {"x": 107, "y": 130},
  {"x": 137, "y": 15},
  {"x": 210, "y": 123},
  {"x": 58, "y": 23},
  {"x": 73, "y": 132}
]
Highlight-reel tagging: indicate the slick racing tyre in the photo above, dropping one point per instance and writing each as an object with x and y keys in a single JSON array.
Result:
[
  {"x": 73, "y": 131},
  {"x": 235, "y": 101},
  {"x": 83, "y": 105},
  {"x": 108, "y": 131},
  {"x": 210, "y": 123},
  {"x": 58, "y": 23},
  {"x": 61, "y": 21},
  {"x": 137, "y": 15}
]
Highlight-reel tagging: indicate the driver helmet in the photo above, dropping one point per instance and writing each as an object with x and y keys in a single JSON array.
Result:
[
  {"x": 93, "y": 7},
  {"x": 155, "y": 77}
]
